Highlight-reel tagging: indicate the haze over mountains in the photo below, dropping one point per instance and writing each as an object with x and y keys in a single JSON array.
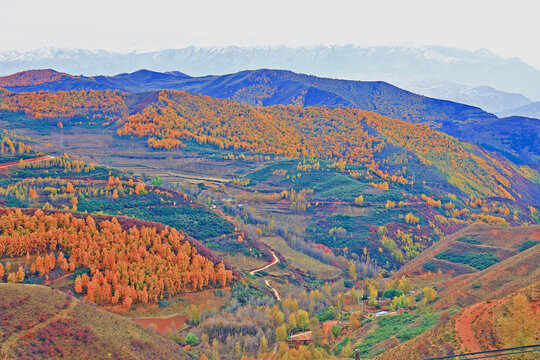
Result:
[
  {"x": 529, "y": 110},
  {"x": 485, "y": 97},
  {"x": 422, "y": 69}
]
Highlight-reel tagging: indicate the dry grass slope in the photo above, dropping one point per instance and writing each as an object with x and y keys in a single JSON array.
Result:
[
  {"x": 475, "y": 328},
  {"x": 65, "y": 327},
  {"x": 503, "y": 242}
]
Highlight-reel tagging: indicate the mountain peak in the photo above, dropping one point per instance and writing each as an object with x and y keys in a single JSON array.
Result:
[{"x": 32, "y": 78}]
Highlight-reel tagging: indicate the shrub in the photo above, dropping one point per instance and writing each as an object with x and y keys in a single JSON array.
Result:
[
  {"x": 164, "y": 303},
  {"x": 219, "y": 293},
  {"x": 191, "y": 339},
  {"x": 157, "y": 181},
  {"x": 469, "y": 240},
  {"x": 392, "y": 293},
  {"x": 336, "y": 330},
  {"x": 527, "y": 244},
  {"x": 479, "y": 261},
  {"x": 327, "y": 314},
  {"x": 35, "y": 280},
  {"x": 430, "y": 266}
]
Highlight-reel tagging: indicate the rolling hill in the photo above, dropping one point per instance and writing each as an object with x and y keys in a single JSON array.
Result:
[
  {"x": 389, "y": 63},
  {"x": 340, "y": 133},
  {"x": 65, "y": 327},
  {"x": 482, "y": 263},
  {"x": 478, "y": 238},
  {"x": 278, "y": 87},
  {"x": 477, "y": 328},
  {"x": 270, "y": 87}
]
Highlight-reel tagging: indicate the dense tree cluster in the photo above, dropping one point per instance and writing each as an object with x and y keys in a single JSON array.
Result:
[
  {"x": 282, "y": 130},
  {"x": 13, "y": 147},
  {"x": 65, "y": 104},
  {"x": 166, "y": 144},
  {"x": 340, "y": 134},
  {"x": 140, "y": 263}
]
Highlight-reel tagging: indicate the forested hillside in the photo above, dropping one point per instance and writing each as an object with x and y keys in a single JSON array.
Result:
[
  {"x": 339, "y": 134},
  {"x": 277, "y": 87}
]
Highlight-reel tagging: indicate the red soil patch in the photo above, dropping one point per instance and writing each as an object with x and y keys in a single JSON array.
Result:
[
  {"x": 464, "y": 327},
  {"x": 535, "y": 305},
  {"x": 474, "y": 326},
  {"x": 327, "y": 326},
  {"x": 163, "y": 325}
]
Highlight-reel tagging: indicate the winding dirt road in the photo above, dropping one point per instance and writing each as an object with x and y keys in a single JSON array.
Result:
[
  {"x": 274, "y": 262},
  {"x": 276, "y": 294},
  {"x": 471, "y": 340}
]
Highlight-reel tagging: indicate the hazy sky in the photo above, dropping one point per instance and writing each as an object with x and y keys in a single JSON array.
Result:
[{"x": 508, "y": 28}]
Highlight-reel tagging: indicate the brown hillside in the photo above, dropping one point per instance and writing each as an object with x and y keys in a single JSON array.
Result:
[
  {"x": 64, "y": 327},
  {"x": 475, "y": 328},
  {"x": 502, "y": 242},
  {"x": 499, "y": 280},
  {"x": 32, "y": 77}
]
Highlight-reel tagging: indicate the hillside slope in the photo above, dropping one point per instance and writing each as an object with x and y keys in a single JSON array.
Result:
[
  {"x": 499, "y": 280},
  {"x": 340, "y": 134},
  {"x": 278, "y": 87},
  {"x": 32, "y": 78},
  {"x": 501, "y": 241},
  {"x": 477, "y": 328},
  {"x": 482, "y": 262},
  {"x": 65, "y": 327},
  {"x": 346, "y": 135}
]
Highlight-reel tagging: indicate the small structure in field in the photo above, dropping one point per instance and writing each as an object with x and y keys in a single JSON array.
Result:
[{"x": 304, "y": 338}]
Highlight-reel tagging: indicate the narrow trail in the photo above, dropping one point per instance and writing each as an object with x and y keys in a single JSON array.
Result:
[
  {"x": 274, "y": 262},
  {"x": 16, "y": 163},
  {"x": 278, "y": 298}
]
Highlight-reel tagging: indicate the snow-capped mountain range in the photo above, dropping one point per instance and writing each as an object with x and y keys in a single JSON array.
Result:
[{"x": 478, "y": 78}]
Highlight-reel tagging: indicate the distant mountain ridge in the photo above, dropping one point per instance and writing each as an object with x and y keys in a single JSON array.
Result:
[
  {"x": 529, "y": 110},
  {"x": 388, "y": 63},
  {"x": 484, "y": 97},
  {"x": 518, "y": 139},
  {"x": 266, "y": 87}
]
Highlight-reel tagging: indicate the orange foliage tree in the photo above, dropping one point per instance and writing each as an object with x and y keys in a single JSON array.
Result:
[{"x": 127, "y": 264}]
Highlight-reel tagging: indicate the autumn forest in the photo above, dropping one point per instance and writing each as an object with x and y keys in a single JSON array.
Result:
[{"x": 187, "y": 226}]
